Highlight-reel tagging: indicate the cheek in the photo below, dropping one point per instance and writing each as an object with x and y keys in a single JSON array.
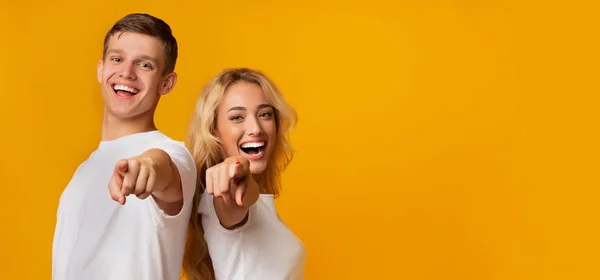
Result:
[
  {"x": 230, "y": 147},
  {"x": 148, "y": 81},
  {"x": 107, "y": 73},
  {"x": 229, "y": 136},
  {"x": 153, "y": 80},
  {"x": 109, "y": 68},
  {"x": 271, "y": 130}
]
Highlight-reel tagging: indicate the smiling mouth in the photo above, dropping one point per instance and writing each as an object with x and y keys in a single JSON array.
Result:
[
  {"x": 253, "y": 148},
  {"x": 125, "y": 91}
]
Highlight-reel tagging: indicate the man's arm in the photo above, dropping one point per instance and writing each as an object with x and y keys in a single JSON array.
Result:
[
  {"x": 151, "y": 173},
  {"x": 168, "y": 192}
]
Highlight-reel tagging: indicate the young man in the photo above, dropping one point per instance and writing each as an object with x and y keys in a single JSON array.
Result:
[{"x": 125, "y": 212}]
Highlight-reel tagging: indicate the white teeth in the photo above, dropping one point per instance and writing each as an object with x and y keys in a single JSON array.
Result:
[
  {"x": 125, "y": 88},
  {"x": 253, "y": 144}
]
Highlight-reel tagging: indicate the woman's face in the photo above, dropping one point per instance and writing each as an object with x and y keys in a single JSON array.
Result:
[{"x": 246, "y": 125}]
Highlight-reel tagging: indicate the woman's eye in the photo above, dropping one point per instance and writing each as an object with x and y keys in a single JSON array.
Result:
[{"x": 266, "y": 115}]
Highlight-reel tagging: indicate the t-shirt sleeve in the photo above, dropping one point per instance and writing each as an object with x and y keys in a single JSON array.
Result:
[{"x": 184, "y": 161}]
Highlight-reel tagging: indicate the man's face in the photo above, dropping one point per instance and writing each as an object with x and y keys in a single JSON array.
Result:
[{"x": 131, "y": 75}]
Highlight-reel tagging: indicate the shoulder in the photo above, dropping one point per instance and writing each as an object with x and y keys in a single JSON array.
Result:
[{"x": 172, "y": 147}]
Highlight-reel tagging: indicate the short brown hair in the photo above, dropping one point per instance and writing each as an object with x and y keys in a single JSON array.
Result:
[{"x": 147, "y": 25}]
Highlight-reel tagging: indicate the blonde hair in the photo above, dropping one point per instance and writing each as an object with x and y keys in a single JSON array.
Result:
[{"x": 206, "y": 149}]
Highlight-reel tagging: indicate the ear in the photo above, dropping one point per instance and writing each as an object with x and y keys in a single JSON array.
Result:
[
  {"x": 99, "y": 71},
  {"x": 168, "y": 83}
]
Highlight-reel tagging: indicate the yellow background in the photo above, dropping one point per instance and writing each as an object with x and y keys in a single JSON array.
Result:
[{"x": 437, "y": 139}]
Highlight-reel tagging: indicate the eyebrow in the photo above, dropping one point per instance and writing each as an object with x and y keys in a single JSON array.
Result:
[
  {"x": 144, "y": 56},
  {"x": 115, "y": 51},
  {"x": 239, "y": 108},
  {"x": 147, "y": 57}
]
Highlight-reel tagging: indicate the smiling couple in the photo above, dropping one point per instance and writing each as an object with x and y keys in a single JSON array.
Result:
[{"x": 144, "y": 206}]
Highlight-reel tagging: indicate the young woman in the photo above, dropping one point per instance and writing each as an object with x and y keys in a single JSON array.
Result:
[{"x": 239, "y": 140}]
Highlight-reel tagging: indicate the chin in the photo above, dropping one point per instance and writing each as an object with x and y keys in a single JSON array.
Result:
[
  {"x": 122, "y": 113},
  {"x": 257, "y": 168}
]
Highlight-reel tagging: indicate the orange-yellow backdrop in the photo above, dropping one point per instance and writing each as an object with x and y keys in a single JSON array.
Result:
[{"x": 437, "y": 139}]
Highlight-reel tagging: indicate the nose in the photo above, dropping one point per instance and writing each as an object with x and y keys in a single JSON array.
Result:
[
  {"x": 253, "y": 127},
  {"x": 127, "y": 72}
]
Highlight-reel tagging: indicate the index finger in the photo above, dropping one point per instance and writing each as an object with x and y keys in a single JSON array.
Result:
[
  {"x": 114, "y": 188},
  {"x": 239, "y": 169}
]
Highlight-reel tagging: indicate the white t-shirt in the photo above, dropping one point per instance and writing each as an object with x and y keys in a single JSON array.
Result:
[
  {"x": 264, "y": 248},
  {"x": 98, "y": 238}
]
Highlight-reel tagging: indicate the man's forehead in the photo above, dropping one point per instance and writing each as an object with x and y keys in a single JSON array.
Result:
[
  {"x": 135, "y": 37},
  {"x": 135, "y": 43}
]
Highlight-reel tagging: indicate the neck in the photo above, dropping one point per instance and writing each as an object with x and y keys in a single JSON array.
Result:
[{"x": 113, "y": 128}]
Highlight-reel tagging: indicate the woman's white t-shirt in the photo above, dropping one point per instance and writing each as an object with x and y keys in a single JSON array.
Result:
[{"x": 264, "y": 248}]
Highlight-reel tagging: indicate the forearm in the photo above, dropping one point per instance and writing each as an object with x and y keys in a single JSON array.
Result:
[{"x": 167, "y": 185}]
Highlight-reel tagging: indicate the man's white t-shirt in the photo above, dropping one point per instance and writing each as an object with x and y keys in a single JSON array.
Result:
[
  {"x": 98, "y": 238},
  {"x": 264, "y": 248}
]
